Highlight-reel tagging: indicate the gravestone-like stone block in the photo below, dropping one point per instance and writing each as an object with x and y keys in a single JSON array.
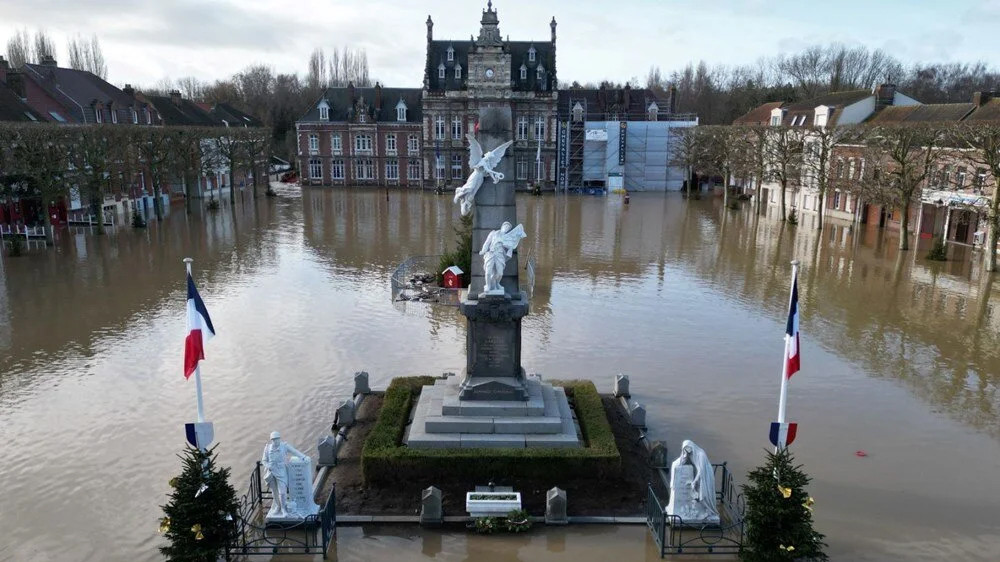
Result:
[
  {"x": 430, "y": 507},
  {"x": 361, "y": 383},
  {"x": 555, "y": 507},
  {"x": 345, "y": 414},
  {"x": 327, "y": 450},
  {"x": 658, "y": 455},
  {"x": 637, "y": 414},
  {"x": 621, "y": 386}
]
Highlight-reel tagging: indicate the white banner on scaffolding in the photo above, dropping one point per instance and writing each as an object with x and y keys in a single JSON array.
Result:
[{"x": 597, "y": 135}]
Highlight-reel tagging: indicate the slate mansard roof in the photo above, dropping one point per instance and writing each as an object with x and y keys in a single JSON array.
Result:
[
  {"x": 183, "y": 113},
  {"x": 13, "y": 109},
  {"x": 599, "y": 103},
  {"x": 519, "y": 55},
  {"x": 342, "y": 105},
  {"x": 78, "y": 90}
]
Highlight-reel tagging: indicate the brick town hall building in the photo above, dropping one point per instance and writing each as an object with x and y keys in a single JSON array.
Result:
[{"x": 416, "y": 137}]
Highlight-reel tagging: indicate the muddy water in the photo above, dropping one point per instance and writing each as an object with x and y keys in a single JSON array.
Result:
[{"x": 900, "y": 360}]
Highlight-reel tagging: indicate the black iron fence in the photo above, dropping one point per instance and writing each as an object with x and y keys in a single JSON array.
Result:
[
  {"x": 254, "y": 536},
  {"x": 674, "y": 536}
]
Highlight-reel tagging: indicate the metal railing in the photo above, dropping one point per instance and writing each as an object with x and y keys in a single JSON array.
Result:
[
  {"x": 674, "y": 536},
  {"x": 253, "y": 536}
]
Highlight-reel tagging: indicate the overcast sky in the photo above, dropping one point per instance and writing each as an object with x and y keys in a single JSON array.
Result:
[{"x": 146, "y": 40}]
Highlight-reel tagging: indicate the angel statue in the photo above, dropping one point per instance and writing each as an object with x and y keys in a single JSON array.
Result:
[
  {"x": 498, "y": 247},
  {"x": 481, "y": 164}
]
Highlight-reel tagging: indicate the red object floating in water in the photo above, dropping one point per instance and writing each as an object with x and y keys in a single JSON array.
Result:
[{"x": 861, "y": 453}]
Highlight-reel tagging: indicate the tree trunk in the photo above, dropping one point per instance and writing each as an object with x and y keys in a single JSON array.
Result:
[
  {"x": 760, "y": 190},
  {"x": 904, "y": 226},
  {"x": 47, "y": 211},
  {"x": 97, "y": 208},
  {"x": 784, "y": 215},
  {"x": 725, "y": 190},
  {"x": 994, "y": 232},
  {"x": 232, "y": 188},
  {"x": 687, "y": 184},
  {"x": 822, "y": 205}
]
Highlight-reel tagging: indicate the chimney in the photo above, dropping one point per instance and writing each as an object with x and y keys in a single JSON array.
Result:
[
  {"x": 350, "y": 93},
  {"x": 175, "y": 97},
  {"x": 128, "y": 90},
  {"x": 15, "y": 81},
  {"x": 378, "y": 97},
  {"x": 552, "y": 25},
  {"x": 627, "y": 99},
  {"x": 48, "y": 60},
  {"x": 430, "y": 29},
  {"x": 4, "y": 69},
  {"x": 672, "y": 104},
  {"x": 980, "y": 99},
  {"x": 885, "y": 94}
]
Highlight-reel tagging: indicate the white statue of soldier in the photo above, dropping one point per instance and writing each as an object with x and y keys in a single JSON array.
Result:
[
  {"x": 692, "y": 487},
  {"x": 275, "y": 461},
  {"x": 482, "y": 165},
  {"x": 499, "y": 246}
]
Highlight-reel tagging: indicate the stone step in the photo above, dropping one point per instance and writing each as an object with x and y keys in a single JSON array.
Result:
[{"x": 478, "y": 424}]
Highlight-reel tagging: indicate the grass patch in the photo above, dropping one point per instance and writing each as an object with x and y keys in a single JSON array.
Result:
[{"x": 386, "y": 461}]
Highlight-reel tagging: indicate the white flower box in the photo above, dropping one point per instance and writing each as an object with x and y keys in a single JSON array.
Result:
[{"x": 484, "y": 504}]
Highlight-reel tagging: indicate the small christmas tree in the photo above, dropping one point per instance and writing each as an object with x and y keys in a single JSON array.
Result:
[
  {"x": 196, "y": 518},
  {"x": 778, "y": 520}
]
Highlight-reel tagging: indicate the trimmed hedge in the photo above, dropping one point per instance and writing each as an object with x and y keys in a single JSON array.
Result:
[{"x": 386, "y": 461}]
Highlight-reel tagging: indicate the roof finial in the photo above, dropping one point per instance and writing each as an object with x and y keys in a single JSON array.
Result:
[{"x": 489, "y": 5}]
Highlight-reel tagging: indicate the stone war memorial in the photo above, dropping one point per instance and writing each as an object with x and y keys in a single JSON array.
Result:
[{"x": 493, "y": 404}]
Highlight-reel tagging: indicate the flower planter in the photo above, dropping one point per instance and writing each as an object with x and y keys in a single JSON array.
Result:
[{"x": 483, "y": 504}]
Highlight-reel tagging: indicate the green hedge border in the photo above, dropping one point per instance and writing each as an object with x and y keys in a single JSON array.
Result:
[{"x": 386, "y": 461}]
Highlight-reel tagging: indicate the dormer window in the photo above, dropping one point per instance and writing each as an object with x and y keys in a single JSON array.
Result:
[
  {"x": 441, "y": 71},
  {"x": 97, "y": 114},
  {"x": 114, "y": 116},
  {"x": 577, "y": 112},
  {"x": 451, "y": 54},
  {"x": 401, "y": 111},
  {"x": 524, "y": 72},
  {"x": 135, "y": 117},
  {"x": 653, "y": 111},
  {"x": 149, "y": 116},
  {"x": 531, "y": 54},
  {"x": 775, "y": 120},
  {"x": 540, "y": 72},
  {"x": 361, "y": 117},
  {"x": 324, "y": 111},
  {"x": 458, "y": 71}
]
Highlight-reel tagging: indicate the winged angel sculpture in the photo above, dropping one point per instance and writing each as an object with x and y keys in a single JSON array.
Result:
[{"x": 482, "y": 165}]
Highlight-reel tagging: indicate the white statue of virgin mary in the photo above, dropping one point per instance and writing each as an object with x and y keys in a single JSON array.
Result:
[{"x": 692, "y": 487}]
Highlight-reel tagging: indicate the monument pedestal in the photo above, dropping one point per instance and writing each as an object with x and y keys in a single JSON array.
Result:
[{"x": 493, "y": 364}]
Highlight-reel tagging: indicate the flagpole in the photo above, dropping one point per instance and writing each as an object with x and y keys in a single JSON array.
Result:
[
  {"x": 783, "y": 396},
  {"x": 197, "y": 369}
]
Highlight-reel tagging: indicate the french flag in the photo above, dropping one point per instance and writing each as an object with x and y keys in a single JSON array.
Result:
[
  {"x": 200, "y": 329},
  {"x": 792, "y": 332}
]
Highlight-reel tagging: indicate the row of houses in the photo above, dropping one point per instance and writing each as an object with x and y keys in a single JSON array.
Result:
[
  {"x": 48, "y": 93},
  {"x": 953, "y": 199},
  {"x": 415, "y": 137}
]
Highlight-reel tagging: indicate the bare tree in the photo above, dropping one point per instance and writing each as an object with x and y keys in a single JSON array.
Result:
[
  {"x": 316, "y": 77},
  {"x": 191, "y": 88},
  {"x": 687, "y": 151},
  {"x": 818, "y": 146},
  {"x": 784, "y": 161},
  {"x": 908, "y": 156},
  {"x": 42, "y": 46},
  {"x": 755, "y": 139},
  {"x": 723, "y": 154},
  {"x": 19, "y": 48},
  {"x": 982, "y": 139},
  {"x": 87, "y": 55},
  {"x": 39, "y": 154}
]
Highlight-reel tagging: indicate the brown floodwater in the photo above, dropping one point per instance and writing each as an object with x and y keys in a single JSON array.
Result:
[{"x": 901, "y": 359}]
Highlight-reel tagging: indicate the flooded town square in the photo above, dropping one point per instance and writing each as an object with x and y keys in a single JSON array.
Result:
[{"x": 897, "y": 401}]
